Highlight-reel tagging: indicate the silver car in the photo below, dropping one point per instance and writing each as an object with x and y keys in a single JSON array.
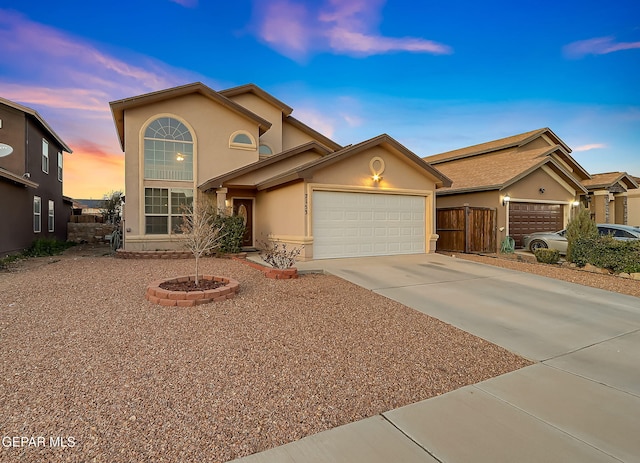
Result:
[{"x": 557, "y": 240}]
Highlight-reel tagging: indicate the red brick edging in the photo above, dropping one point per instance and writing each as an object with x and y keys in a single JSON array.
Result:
[
  {"x": 270, "y": 272},
  {"x": 121, "y": 253},
  {"x": 157, "y": 295}
]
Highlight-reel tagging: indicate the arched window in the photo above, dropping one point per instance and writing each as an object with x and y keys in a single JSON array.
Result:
[
  {"x": 243, "y": 140},
  {"x": 264, "y": 150},
  {"x": 168, "y": 150}
]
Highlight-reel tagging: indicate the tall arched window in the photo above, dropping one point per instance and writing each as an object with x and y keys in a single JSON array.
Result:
[{"x": 168, "y": 150}]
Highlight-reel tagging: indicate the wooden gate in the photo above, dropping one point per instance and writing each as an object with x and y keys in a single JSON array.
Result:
[{"x": 466, "y": 229}]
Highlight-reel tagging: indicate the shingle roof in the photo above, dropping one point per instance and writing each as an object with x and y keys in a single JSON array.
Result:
[
  {"x": 607, "y": 179},
  {"x": 499, "y": 163},
  {"x": 502, "y": 143}
]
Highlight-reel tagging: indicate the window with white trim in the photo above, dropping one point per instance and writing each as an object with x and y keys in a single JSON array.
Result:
[
  {"x": 168, "y": 150},
  {"x": 45, "y": 156},
  {"x": 243, "y": 140},
  {"x": 51, "y": 220},
  {"x": 163, "y": 208},
  {"x": 60, "y": 166},
  {"x": 37, "y": 214}
]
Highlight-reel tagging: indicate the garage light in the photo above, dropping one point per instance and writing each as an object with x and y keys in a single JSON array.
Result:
[
  {"x": 376, "y": 177},
  {"x": 506, "y": 200}
]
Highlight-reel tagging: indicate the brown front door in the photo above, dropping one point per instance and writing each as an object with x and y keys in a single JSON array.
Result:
[{"x": 244, "y": 208}]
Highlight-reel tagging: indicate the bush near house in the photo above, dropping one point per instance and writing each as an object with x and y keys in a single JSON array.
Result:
[
  {"x": 607, "y": 252},
  {"x": 547, "y": 256},
  {"x": 39, "y": 248},
  {"x": 234, "y": 228},
  {"x": 580, "y": 226}
]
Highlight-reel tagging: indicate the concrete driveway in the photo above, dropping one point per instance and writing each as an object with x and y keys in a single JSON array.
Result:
[{"x": 579, "y": 403}]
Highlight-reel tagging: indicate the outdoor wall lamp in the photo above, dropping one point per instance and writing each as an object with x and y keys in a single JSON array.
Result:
[
  {"x": 376, "y": 166},
  {"x": 575, "y": 203},
  {"x": 506, "y": 200}
]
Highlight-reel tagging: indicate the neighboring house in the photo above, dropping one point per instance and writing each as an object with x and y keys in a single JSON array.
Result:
[
  {"x": 242, "y": 148},
  {"x": 512, "y": 186},
  {"x": 31, "y": 175},
  {"x": 608, "y": 196},
  {"x": 633, "y": 205}
]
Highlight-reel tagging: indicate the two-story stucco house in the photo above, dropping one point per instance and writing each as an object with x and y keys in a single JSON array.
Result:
[
  {"x": 243, "y": 149},
  {"x": 31, "y": 175}
]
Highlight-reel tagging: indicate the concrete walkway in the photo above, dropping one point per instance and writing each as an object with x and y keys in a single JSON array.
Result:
[{"x": 579, "y": 403}]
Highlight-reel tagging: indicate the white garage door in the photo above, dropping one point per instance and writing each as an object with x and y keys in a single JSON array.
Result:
[{"x": 367, "y": 224}]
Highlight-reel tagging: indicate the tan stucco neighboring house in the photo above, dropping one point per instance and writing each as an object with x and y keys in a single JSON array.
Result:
[
  {"x": 527, "y": 183},
  {"x": 242, "y": 148},
  {"x": 633, "y": 205},
  {"x": 609, "y": 195}
]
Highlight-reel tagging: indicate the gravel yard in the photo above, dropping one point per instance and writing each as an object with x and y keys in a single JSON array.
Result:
[
  {"x": 88, "y": 363},
  {"x": 581, "y": 277}
]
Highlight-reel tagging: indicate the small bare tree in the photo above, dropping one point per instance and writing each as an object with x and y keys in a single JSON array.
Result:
[{"x": 201, "y": 235}]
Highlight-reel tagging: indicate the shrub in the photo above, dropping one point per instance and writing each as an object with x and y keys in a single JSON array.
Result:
[
  {"x": 607, "y": 252},
  {"x": 234, "y": 227},
  {"x": 47, "y": 247},
  {"x": 547, "y": 256},
  {"x": 277, "y": 255},
  {"x": 580, "y": 226}
]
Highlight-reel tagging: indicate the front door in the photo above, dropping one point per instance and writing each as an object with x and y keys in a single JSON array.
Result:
[{"x": 244, "y": 208}]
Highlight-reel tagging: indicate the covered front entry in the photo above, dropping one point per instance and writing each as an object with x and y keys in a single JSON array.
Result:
[
  {"x": 353, "y": 224},
  {"x": 527, "y": 218}
]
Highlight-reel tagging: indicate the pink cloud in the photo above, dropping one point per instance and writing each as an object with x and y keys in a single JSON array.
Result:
[
  {"x": 341, "y": 26},
  {"x": 589, "y": 147},
  {"x": 597, "y": 46}
]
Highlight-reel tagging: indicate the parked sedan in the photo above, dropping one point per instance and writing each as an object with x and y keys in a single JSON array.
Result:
[{"x": 557, "y": 240}]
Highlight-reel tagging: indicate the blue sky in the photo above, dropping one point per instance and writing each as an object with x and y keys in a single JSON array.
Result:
[{"x": 434, "y": 75}]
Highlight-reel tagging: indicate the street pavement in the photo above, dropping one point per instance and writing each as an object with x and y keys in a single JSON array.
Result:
[{"x": 580, "y": 401}]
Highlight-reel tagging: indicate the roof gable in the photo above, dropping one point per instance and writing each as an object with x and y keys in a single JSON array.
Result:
[
  {"x": 254, "y": 89},
  {"x": 118, "y": 107},
  {"x": 35, "y": 115},
  {"x": 608, "y": 179},
  {"x": 230, "y": 177},
  {"x": 384, "y": 140}
]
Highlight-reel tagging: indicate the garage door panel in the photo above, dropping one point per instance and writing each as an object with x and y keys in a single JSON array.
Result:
[
  {"x": 386, "y": 224},
  {"x": 525, "y": 218}
]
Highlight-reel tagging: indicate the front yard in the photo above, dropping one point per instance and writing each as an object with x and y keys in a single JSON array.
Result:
[{"x": 103, "y": 375}]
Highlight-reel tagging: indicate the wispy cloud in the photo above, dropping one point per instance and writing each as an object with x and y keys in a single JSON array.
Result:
[
  {"x": 589, "y": 147},
  {"x": 70, "y": 82},
  {"x": 597, "y": 46},
  {"x": 186, "y": 3},
  {"x": 340, "y": 26}
]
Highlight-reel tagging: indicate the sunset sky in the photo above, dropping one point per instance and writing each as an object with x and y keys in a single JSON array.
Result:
[{"x": 434, "y": 75}]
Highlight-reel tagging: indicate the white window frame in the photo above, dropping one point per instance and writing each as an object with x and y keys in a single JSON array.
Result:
[
  {"x": 51, "y": 216},
  {"x": 45, "y": 156},
  {"x": 171, "y": 213},
  {"x": 37, "y": 214},
  {"x": 59, "y": 166}
]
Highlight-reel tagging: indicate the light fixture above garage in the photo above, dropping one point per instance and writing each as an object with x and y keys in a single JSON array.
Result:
[
  {"x": 506, "y": 200},
  {"x": 376, "y": 166}
]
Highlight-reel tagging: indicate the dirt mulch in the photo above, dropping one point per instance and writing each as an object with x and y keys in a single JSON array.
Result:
[
  {"x": 85, "y": 359},
  {"x": 527, "y": 263}
]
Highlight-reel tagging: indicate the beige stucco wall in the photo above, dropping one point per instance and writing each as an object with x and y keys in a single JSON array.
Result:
[
  {"x": 280, "y": 215},
  {"x": 271, "y": 170},
  {"x": 633, "y": 205},
  {"x": 211, "y": 125},
  {"x": 292, "y": 136},
  {"x": 264, "y": 109}
]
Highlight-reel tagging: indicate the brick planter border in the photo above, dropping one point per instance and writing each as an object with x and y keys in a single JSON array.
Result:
[
  {"x": 157, "y": 295},
  {"x": 270, "y": 272},
  {"x": 121, "y": 253}
]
